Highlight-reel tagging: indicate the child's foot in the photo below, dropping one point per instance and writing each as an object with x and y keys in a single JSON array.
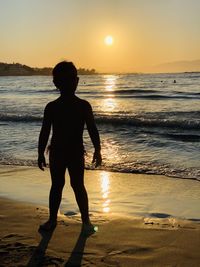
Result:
[
  {"x": 48, "y": 226},
  {"x": 88, "y": 229}
]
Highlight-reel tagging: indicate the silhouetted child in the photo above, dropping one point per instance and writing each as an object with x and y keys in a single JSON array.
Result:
[{"x": 67, "y": 116}]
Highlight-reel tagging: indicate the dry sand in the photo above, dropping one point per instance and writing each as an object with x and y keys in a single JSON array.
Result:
[{"x": 118, "y": 242}]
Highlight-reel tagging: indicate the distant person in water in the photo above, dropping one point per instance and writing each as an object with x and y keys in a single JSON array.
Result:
[{"x": 67, "y": 116}]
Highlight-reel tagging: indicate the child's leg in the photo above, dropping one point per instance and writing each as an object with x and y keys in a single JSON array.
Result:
[
  {"x": 57, "y": 169},
  {"x": 76, "y": 173},
  {"x": 58, "y": 181}
]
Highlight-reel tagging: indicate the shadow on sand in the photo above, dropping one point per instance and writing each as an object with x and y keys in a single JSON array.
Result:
[
  {"x": 76, "y": 256},
  {"x": 38, "y": 256}
]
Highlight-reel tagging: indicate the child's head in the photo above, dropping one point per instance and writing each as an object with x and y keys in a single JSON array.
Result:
[{"x": 65, "y": 77}]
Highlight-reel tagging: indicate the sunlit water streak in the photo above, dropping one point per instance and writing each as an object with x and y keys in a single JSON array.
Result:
[{"x": 105, "y": 190}]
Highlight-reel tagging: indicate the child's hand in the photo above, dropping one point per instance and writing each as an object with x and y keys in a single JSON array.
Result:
[
  {"x": 97, "y": 159},
  {"x": 41, "y": 162}
]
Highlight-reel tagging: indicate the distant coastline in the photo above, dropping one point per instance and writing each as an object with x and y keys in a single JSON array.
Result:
[{"x": 17, "y": 69}]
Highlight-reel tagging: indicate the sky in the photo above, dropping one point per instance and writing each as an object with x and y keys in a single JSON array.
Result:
[{"x": 146, "y": 33}]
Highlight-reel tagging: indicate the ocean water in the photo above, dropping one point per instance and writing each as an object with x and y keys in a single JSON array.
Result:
[{"x": 147, "y": 122}]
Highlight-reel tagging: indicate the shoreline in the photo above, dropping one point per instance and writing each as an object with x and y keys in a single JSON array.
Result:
[
  {"x": 2, "y": 165},
  {"x": 137, "y": 244}
]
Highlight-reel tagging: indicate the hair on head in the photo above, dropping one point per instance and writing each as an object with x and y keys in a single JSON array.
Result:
[{"x": 65, "y": 68}]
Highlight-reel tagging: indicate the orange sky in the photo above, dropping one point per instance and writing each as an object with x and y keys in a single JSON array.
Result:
[{"x": 146, "y": 32}]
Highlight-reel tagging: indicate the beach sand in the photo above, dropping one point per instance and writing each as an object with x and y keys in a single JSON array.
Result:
[{"x": 120, "y": 240}]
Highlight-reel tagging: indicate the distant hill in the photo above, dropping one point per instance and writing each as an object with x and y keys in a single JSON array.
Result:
[
  {"x": 16, "y": 69},
  {"x": 178, "y": 66}
]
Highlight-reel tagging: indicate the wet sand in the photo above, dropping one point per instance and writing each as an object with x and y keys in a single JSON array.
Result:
[{"x": 110, "y": 193}]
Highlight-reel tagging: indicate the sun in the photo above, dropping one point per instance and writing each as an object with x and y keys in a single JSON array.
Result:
[{"x": 108, "y": 40}]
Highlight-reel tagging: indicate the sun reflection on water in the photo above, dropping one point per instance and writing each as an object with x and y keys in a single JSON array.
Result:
[
  {"x": 109, "y": 103},
  {"x": 105, "y": 190},
  {"x": 111, "y": 151},
  {"x": 110, "y": 82}
]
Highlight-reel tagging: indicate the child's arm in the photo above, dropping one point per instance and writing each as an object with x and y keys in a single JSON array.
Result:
[
  {"x": 94, "y": 135},
  {"x": 43, "y": 138}
]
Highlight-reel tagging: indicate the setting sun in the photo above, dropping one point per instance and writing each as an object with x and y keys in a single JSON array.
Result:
[{"x": 108, "y": 40}]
